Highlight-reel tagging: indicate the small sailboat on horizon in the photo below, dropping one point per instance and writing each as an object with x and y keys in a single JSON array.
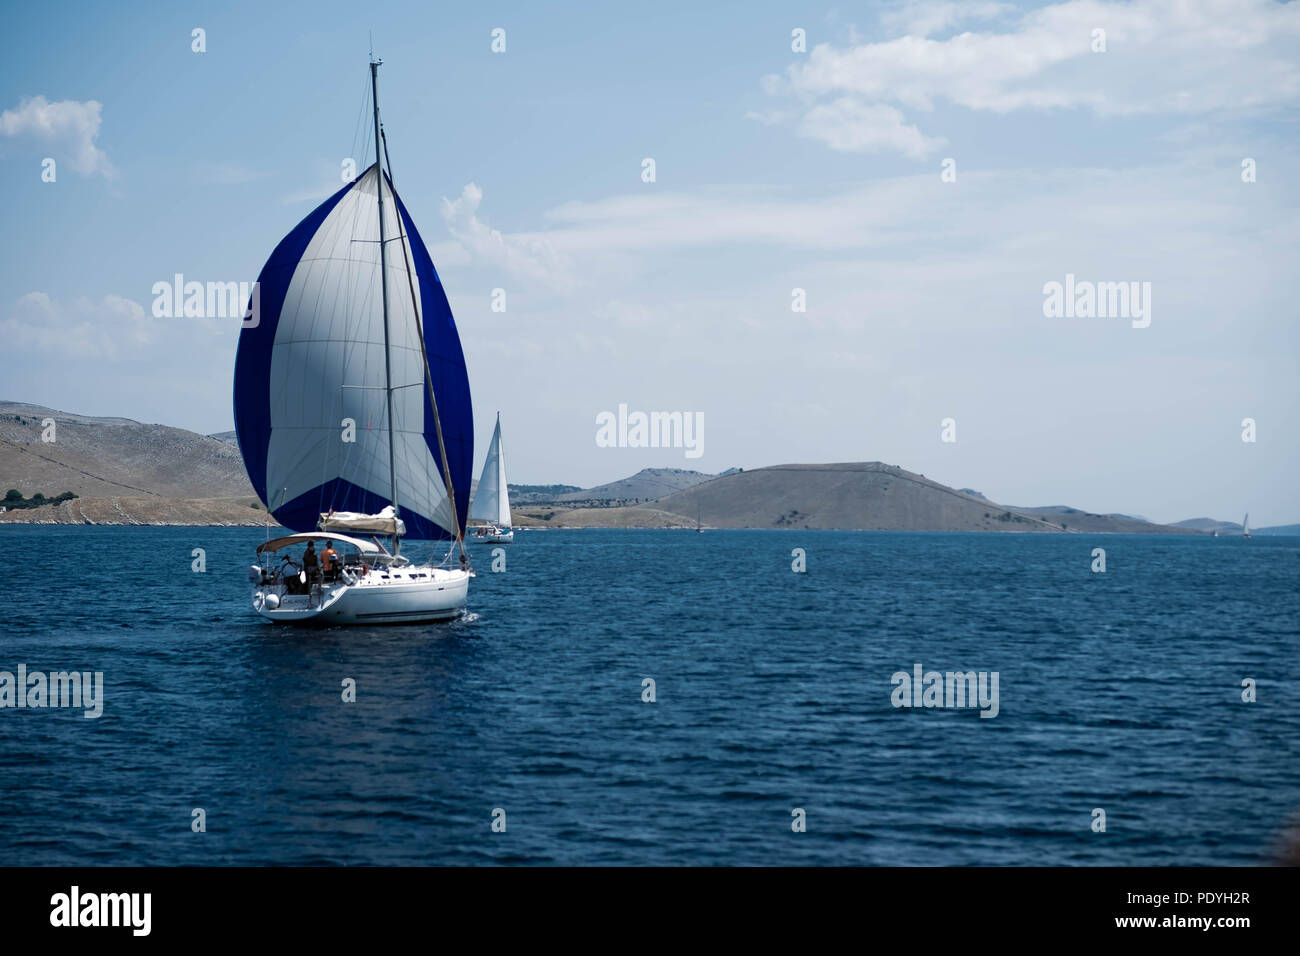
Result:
[
  {"x": 492, "y": 497},
  {"x": 1245, "y": 526}
]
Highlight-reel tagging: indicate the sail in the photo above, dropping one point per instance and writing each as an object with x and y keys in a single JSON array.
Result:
[
  {"x": 311, "y": 411},
  {"x": 492, "y": 497},
  {"x": 1245, "y": 525}
]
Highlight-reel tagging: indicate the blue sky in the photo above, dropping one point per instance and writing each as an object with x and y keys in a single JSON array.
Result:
[{"x": 775, "y": 170}]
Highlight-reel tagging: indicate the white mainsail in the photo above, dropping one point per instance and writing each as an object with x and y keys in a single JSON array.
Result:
[
  {"x": 1245, "y": 525},
  {"x": 492, "y": 498}
]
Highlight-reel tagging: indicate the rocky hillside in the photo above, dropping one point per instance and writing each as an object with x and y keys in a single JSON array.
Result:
[
  {"x": 144, "y": 510},
  {"x": 1072, "y": 519},
  {"x": 102, "y": 457},
  {"x": 122, "y": 471},
  {"x": 126, "y": 472},
  {"x": 868, "y": 496},
  {"x": 1209, "y": 525},
  {"x": 648, "y": 484}
]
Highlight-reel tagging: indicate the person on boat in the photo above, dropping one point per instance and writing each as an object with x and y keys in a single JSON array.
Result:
[
  {"x": 310, "y": 563},
  {"x": 329, "y": 559},
  {"x": 289, "y": 571}
]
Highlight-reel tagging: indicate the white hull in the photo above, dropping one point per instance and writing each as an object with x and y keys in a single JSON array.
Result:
[{"x": 408, "y": 595}]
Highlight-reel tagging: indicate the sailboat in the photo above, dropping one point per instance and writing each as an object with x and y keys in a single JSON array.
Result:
[
  {"x": 353, "y": 414},
  {"x": 1245, "y": 526},
  {"x": 492, "y": 498}
]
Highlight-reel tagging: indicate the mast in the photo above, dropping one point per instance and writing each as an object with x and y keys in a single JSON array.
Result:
[
  {"x": 458, "y": 533},
  {"x": 383, "y": 283},
  {"x": 503, "y": 494}
]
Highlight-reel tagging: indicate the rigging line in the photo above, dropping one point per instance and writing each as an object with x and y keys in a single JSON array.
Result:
[
  {"x": 424, "y": 354},
  {"x": 383, "y": 286},
  {"x": 366, "y": 131},
  {"x": 361, "y": 113}
]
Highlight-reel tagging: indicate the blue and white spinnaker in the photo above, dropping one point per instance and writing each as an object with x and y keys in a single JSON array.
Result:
[{"x": 311, "y": 400}]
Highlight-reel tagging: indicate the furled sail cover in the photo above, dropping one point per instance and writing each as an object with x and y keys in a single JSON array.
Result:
[
  {"x": 386, "y": 522},
  {"x": 492, "y": 497},
  {"x": 314, "y": 361}
]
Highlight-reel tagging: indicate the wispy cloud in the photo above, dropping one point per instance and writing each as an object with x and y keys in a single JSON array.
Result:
[
  {"x": 322, "y": 181},
  {"x": 518, "y": 255},
  {"x": 67, "y": 128},
  {"x": 109, "y": 328},
  {"x": 849, "y": 125},
  {"x": 1161, "y": 57},
  {"x": 923, "y": 18}
]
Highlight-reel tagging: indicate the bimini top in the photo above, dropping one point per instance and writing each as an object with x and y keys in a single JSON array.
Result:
[{"x": 275, "y": 544}]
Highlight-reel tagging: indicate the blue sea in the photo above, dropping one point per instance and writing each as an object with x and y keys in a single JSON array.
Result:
[{"x": 1118, "y": 691}]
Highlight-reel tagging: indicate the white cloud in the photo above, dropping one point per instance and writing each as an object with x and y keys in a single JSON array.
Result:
[
  {"x": 68, "y": 128},
  {"x": 855, "y": 216},
  {"x": 1162, "y": 57},
  {"x": 518, "y": 255},
  {"x": 314, "y": 194},
  {"x": 924, "y": 18},
  {"x": 849, "y": 125},
  {"x": 113, "y": 327}
]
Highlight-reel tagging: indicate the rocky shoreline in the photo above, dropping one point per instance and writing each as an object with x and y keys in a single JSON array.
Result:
[{"x": 146, "y": 510}]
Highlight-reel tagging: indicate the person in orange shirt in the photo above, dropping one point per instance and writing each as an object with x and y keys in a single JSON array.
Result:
[{"x": 329, "y": 561}]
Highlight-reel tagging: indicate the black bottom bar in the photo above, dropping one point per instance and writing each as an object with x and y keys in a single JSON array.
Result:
[{"x": 947, "y": 906}]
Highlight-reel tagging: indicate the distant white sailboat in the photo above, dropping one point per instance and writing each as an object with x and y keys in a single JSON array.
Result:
[
  {"x": 1245, "y": 526},
  {"x": 492, "y": 498}
]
